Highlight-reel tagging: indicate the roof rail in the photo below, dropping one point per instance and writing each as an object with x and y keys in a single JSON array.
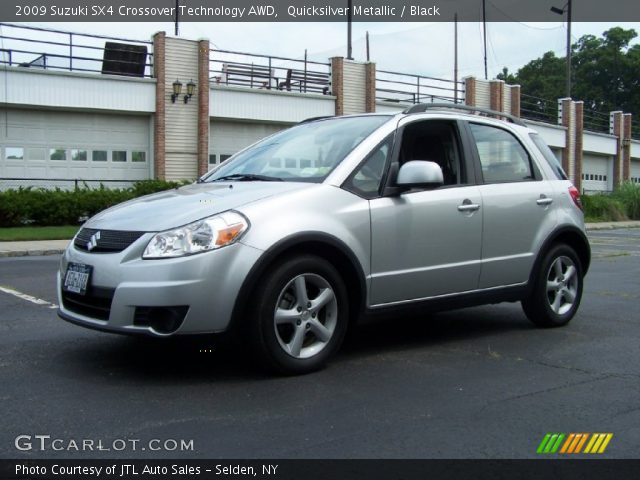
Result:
[
  {"x": 423, "y": 107},
  {"x": 313, "y": 119}
]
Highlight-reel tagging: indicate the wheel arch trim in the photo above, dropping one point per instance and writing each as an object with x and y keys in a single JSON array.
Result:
[
  {"x": 291, "y": 243},
  {"x": 583, "y": 252}
]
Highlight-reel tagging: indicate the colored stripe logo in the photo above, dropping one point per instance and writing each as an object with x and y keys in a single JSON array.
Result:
[{"x": 572, "y": 443}]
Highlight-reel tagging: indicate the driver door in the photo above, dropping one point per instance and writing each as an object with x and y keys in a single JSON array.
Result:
[{"x": 427, "y": 243}]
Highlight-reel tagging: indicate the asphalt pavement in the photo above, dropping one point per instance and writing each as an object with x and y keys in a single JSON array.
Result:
[{"x": 473, "y": 383}]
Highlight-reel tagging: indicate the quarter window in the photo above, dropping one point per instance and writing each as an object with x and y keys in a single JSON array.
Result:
[
  {"x": 502, "y": 156},
  {"x": 365, "y": 181}
]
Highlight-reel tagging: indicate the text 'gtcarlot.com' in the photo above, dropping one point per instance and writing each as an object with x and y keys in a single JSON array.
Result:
[{"x": 46, "y": 442}]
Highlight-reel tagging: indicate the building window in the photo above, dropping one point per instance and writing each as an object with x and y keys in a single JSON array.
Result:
[
  {"x": 212, "y": 159},
  {"x": 14, "y": 153},
  {"x": 57, "y": 154},
  {"x": 224, "y": 158},
  {"x": 99, "y": 156},
  {"x": 137, "y": 156},
  {"x": 36, "y": 154},
  {"x": 78, "y": 155},
  {"x": 119, "y": 156}
]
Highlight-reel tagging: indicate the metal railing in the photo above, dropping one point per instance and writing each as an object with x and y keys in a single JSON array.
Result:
[
  {"x": 14, "y": 183},
  {"x": 242, "y": 69},
  {"x": 538, "y": 109},
  {"x": 595, "y": 121},
  {"x": 408, "y": 88},
  {"x": 75, "y": 52}
]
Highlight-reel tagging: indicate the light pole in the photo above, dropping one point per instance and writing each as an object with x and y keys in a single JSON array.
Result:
[
  {"x": 561, "y": 11},
  {"x": 349, "y": 20}
]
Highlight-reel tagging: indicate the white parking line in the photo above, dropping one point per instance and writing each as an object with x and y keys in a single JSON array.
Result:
[{"x": 28, "y": 298}]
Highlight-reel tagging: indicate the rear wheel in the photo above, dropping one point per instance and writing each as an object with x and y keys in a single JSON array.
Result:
[
  {"x": 300, "y": 317},
  {"x": 557, "y": 290}
]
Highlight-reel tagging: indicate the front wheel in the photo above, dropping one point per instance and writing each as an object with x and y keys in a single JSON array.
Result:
[
  {"x": 300, "y": 316},
  {"x": 557, "y": 290}
]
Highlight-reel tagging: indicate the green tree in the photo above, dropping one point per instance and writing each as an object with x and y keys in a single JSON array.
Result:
[{"x": 605, "y": 75}]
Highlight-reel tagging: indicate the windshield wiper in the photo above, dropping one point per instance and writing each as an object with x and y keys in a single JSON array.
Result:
[{"x": 248, "y": 177}]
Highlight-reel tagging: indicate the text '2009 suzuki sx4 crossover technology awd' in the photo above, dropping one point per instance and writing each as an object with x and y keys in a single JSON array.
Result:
[{"x": 298, "y": 236}]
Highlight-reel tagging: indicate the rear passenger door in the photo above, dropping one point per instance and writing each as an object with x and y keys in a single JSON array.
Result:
[{"x": 517, "y": 202}]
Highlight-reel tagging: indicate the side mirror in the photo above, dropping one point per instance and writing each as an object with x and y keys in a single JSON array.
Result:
[{"x": 418, "y": 173}]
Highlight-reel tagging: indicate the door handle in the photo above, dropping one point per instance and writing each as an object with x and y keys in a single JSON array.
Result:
[
  {"x": 467, "y": 206},
  {"x": 544, "y": 200}
]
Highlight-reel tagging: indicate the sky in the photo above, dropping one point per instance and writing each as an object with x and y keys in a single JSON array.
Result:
[{"x": 418, "y": 48}]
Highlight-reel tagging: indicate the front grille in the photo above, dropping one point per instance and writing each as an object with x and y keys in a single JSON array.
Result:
[
  {"x": 105, "y": 241},
  {"x": 95, "y": 304}
]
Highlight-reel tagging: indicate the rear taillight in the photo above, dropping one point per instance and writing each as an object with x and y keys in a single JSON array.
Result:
[{"x": 575, "y": 196}]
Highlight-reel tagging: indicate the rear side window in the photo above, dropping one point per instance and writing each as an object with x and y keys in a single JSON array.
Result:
[
  {"x": 502, "y": 156},
  {"x": 549, "y": 156}
]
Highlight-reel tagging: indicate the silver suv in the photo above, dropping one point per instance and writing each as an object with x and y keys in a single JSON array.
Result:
[{"x": 311, "y": 229}]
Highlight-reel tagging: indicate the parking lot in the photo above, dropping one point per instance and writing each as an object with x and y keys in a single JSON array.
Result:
[{"x": 473, "y": 383}]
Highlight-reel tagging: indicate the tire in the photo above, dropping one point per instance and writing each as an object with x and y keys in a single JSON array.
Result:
[
  {"x": 557, "y": 288},
  {"x": 300, "y": 316}
]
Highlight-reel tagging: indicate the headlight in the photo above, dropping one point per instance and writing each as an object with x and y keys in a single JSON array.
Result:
[{"x": 201, "y": 236}]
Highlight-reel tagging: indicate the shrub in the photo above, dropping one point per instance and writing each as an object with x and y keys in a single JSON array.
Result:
[
  {"x": 38, "y": 206},
  {"x": 628, "y": 194},
  {"x": 603, "y": 208}
]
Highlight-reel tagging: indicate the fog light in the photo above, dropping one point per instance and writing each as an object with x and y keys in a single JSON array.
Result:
[{"x": 163, "y": 320}]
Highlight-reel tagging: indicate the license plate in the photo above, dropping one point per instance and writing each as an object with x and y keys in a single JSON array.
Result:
[{"x": 77, "y": 277}]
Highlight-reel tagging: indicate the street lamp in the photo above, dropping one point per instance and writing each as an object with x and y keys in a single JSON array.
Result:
[{"x": 561, "y": 11}]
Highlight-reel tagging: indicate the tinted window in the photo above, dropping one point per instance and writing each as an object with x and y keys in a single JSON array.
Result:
[
  {"x": 549, "y": 156},
  {"x": 502, "y": 156}
]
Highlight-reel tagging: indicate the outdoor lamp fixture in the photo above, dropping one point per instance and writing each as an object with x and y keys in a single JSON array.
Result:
[
  {"x": 177, "y": 88},
  {"x": 190, "y": 89},
  {"x": 561, "y": 11}
]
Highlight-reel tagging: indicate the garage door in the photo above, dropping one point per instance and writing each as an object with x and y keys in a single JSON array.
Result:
[
  {"x": 227, "y": 138},
  {"x": 596, "y": 174},
  {"x": 635, "y": 170},
  {"x": 73, "y": 146}
]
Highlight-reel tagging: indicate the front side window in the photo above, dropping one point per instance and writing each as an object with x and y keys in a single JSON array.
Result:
[
  {"x": 305, "y": 153},
  {"x": 502, "y": 156},
  {"x": 434, "y": 141}
]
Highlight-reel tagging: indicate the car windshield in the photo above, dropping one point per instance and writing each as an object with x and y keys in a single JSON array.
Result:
[{"x": 305, "y": 153}]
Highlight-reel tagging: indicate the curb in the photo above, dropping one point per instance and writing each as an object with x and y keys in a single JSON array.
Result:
[
  {"x": 611, "y": 226},
  {"x": 30, "y": 253}
]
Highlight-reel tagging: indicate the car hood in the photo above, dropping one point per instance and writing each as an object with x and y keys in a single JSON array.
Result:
[{"x": 177, "y": 207}]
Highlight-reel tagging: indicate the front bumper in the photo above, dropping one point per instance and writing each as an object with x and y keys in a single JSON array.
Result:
[{"x": 204, "y": 287}]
